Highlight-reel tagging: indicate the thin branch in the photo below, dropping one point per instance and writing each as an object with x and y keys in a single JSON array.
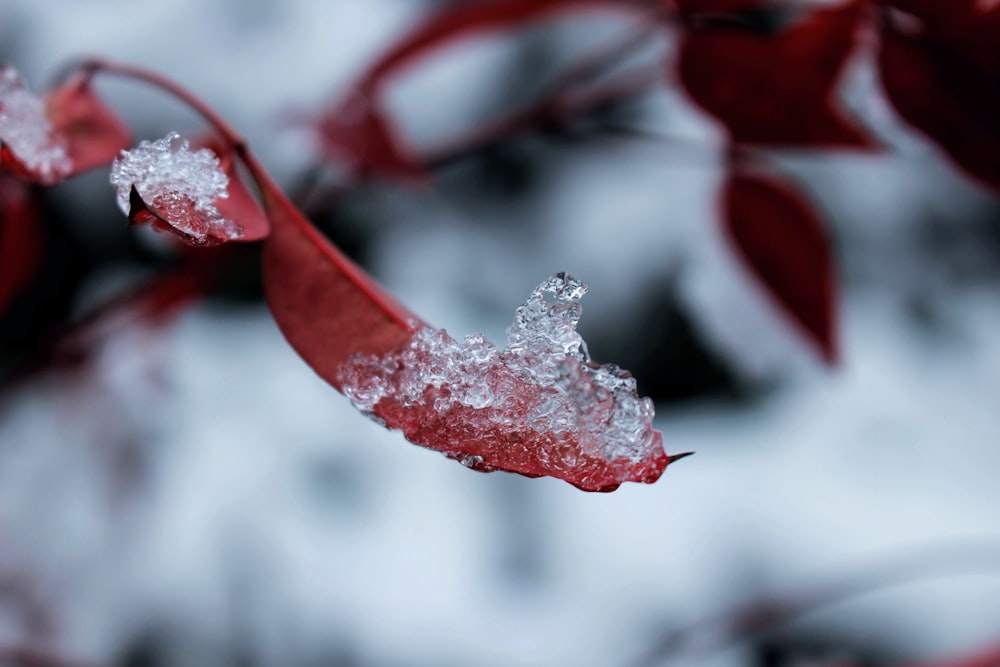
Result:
[{"x": 739, "y": 624}]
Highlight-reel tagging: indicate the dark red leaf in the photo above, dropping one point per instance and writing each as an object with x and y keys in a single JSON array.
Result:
[
  {"x": 357, "y": 129},
  {"x": 785, "y": 245},
  {"x": 21, "y": 239},
  {"x": 93, "y": 134},
  {"x": 946, "y": 85},
  {"x": 776, "y": 89}
]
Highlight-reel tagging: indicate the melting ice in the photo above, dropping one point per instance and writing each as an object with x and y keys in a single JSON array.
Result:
[
  {"x": 26, "y": 131},
  {"x": 180, "y": 184},
  {"x": 543, "y": 381}
]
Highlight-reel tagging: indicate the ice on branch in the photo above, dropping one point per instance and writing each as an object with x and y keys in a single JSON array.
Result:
[
  {"x": 178, "y": 186},
  {"x": 538, "y": 407},
  {"x": 26, "y": 133}
]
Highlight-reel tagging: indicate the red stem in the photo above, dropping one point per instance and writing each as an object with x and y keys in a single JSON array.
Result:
[{"x": 269, "y": 190}]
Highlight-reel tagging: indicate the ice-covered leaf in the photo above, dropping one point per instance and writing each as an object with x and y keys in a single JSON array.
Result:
[
  {"x": 326, "y": 306},
  {"x": 173, "y": 188},
  {"x": 92, "y": 133},
  {"x": 944, "y": 81},
  {"x": 539, "y": 406},
  {"x": 21, "y": 239},
  {"x": 29, "y": 147},
  {"x": 784, "y": 244},
  {"x": 777, "y": 89},
  {"x": 147, "y": 305},
  {"x": 357, "y": 131}
]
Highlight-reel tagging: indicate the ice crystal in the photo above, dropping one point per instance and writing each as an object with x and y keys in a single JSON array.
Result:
[
  {"x": 26, "y": 132},
  {"x": 179, "y": 184},
  {"x": 539, "y": 406}
]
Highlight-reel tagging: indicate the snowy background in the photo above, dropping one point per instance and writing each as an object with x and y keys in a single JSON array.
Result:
[{"x": 196, "y": 496}]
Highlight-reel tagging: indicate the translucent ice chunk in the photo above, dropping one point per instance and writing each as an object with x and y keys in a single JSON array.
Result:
[
  {"x": 181, "y": 185},
  {"x": 539, "y": 406},
  {"x": 26, "y": 132}
]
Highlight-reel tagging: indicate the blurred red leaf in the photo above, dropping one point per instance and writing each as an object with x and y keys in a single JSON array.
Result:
[
  {"x": 945, "y": 83},
  {"x": 723, "y": 7},
  {"x": 936, "y": 16},
  {"x": 21, "y": 239},
  {"x": 463, "y": 20},
  {"x": 775, "y": 89},
  {"x": 987, "y": 658},
  {"x": 785, "y": 245},
  {"x": 358, "y": 131},
  {"x": 93, "y": 134},
  {"x": 327, "y": 307}
]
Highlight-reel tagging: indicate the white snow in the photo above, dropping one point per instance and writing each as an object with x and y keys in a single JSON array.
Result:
[
  {"x": 569, "y": 393},
  {"x": 27, "y": 132},
  {"x": 181, "y": 184}
]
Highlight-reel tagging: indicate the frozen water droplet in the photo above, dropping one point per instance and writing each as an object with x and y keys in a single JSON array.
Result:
[
  {"x": 181, "y": 184},
  {"x": 26, "y": 131},
  {"x": 471, "y": 461}
]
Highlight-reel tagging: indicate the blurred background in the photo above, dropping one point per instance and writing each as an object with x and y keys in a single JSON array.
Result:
[{"x": 185, "y": 491}]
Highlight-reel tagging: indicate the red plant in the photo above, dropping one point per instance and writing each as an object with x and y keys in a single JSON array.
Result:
[{"x": 769, "y": 72}]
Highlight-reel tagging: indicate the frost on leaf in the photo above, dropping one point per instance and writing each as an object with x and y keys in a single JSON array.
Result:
[
  {"x": 28, "y": 146},
  {"x": 165, "y": 183},
  {"x": 538, "y": 407}
]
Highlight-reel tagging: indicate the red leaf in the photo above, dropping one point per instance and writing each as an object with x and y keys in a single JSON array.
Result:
[
  {"x": 945, "y": 85},
  {"x": 93, "y": 134},
  {"x": 327, "y": 307},
  {"x": 784, "y": 244},
  {"x": 357, "y": 130},
  {"x": 775, "y": 89},
  {"x": 21, "y": 239},
  {"x": 195, "y": 194},
  {"x": 240, "y": 206},
  {"x": 538, "y": 407},
  {"x": 987, "y": 658},
  {"x": 340, "y": 320}
]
